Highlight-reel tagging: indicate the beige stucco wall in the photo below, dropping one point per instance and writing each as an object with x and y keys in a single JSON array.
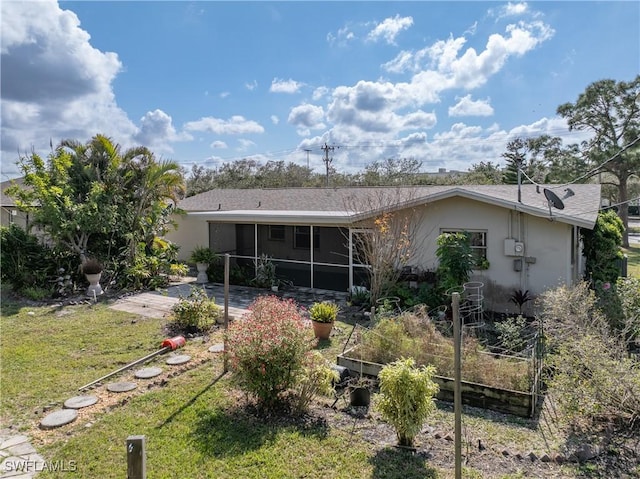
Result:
[
  {"x": 549, "y": 242},
  {"x": 191, "y": 232}
]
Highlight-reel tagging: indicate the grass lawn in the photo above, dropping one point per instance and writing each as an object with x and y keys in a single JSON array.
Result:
[
  {"x": 633, "y": 262},
  {"x": 195, "y": 422}
]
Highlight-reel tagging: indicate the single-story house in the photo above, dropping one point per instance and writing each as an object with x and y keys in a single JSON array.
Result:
[
  {"x": 529, "y": 243},
  {"x": 9, "y": 213}
]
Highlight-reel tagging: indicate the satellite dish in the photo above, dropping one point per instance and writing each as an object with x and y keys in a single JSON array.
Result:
[{"x": 553, "y": 200}]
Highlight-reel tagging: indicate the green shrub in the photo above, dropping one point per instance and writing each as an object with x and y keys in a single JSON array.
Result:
[
  {"x": 406, "y": 397},
  {"x": 36, "y": 293},
  {"x": 316, "y": 377},
  {"x": 25, "y": 261},
  {"x": 196, "y": 313},
  {"x": 324, "y": 312},
  {"x": 455, "y": 258},
  {"x": 602, "y": 248},
  {"x": 203, "y": 254},
  {"x": 267, "y": 348}
]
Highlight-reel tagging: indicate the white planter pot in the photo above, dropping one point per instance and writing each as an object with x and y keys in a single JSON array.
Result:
[
  {"x": 202, "y": 273},
  {"x": 94, "y": 288}
]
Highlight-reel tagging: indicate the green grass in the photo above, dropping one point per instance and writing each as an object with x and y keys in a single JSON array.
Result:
[
  {"x": 633, "y": 261},
  {"x": 47, "y": 353},
  {"x": 193, "y": 425}
]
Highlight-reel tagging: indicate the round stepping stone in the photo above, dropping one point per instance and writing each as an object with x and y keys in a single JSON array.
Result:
[
  {"x": 121, "y": 387},
  {"x": 147, "y": 373},
  {"x": 78, "y": 402},
  {"x": 217, "y": 348},
  {"x": 58, "y": 418},
  {"x": 178, "y": 359}
]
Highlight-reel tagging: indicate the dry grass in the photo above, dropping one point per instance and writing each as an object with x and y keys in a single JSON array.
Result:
[{"x": 411, "y": 335}]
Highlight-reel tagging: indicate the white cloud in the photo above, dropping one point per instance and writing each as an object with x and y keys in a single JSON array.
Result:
[
  {"x": 245, "y": 144},
  {"x": 389, "y": 28},
  {"x": 514, "y": 9},
  {"x": 468, "y": 107},
  {"x": 307, "y": 116},
  {"x": 156, "y": 131},
  {"x": 342, "y": 37},
  {"x": 224, "y": 94},
  {"x": 236, "y": 125},
  {"x": 274, "y": 119},
  {"x": 55, "y": 85},
  {"x": 285, "y": 86},
  {"x": 320, "y": 93},
  {"x": 218, "y": 145},
  {"x": 251, "y": 85}
]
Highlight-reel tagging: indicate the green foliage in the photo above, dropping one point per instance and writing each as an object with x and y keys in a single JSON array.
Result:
[
  {"x": 456, "y": 259},
  {"x": 602, "y": 248},
  {"x": 36, "y": 293},
  {"x": 178, "y": 269},
  {"x": 406, "y": 397},
  {"x": 196, "y": 313},
  {"x": 267, "y": 348},
  {"x": 324, "y": 312},
  {"x": 512, "y": 333},
  {"x": 316, "y": 378},
  {"x": 265, "y": 272},
  {"x": 96, "y": 199},
  {"x": 203, "y": 254},
  {"x": 25, "y": 261}
]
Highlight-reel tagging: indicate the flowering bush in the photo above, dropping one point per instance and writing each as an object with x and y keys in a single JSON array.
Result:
[{"x": 266, "y": 349}]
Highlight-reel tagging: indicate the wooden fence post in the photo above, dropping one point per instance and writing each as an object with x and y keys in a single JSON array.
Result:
[{"x": 136, "y": 458}]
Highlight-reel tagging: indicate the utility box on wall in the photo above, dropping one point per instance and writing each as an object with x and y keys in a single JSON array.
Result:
[{"x": 513, "y": 247}]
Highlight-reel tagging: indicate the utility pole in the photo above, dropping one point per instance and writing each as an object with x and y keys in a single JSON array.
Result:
[
  {"x": 327, "y": 160},
  {"x": 308, "y": 151}
]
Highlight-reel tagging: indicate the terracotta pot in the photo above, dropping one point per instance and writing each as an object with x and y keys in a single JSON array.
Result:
[{"x": 322, "y": 330}]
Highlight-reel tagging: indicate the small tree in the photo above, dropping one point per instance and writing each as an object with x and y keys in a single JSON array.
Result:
[
  {"x": 389, "y": 239},
  {"x": 406, "y": 397}
]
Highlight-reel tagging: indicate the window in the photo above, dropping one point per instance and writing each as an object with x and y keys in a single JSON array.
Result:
[
  {"x": 302, "y": 237},
  {"x": 276, "y": 232},
  {"x": 478, "y": 243}
]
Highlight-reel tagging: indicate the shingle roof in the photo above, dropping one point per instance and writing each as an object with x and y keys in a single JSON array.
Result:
[
  {"x": 581, "y": 209},
  {"x": 5, "y": 200}
]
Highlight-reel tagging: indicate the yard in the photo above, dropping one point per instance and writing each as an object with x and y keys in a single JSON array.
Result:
[
  {"x": 633, "y": 260},
  {"x": 197, "y": 425}
]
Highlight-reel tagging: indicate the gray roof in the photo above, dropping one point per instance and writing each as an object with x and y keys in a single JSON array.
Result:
[
  {"x": 5, "y": 200},
  {"x": 345, "y": 205}
]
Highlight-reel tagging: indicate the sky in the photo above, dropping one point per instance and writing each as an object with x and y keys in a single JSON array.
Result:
[{"x": 207, "y": 83}]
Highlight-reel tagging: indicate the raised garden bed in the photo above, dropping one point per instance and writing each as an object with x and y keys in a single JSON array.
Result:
[{"x": 507, "y": 401}]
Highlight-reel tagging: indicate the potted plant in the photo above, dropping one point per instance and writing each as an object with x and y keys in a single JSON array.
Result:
[
  {"x": 202, "y": 256},
  {"x": 360, "y": 391},
  {"x": 323, "y": 315},
  {"x": 92, "y": 270}
]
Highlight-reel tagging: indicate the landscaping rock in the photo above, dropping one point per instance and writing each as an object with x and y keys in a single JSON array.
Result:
[
  {"x": 178, "y": 359},
  {"x": 78, "y": 402},
  {"x": 58, "y": 418},
  {"x": 147, "y": 373},
  {"x": 586, "y": 452},
  {"x": 121, "y": 387},
  {"x": 217, "y": 348},
  {"x": 532, "y": 455}
]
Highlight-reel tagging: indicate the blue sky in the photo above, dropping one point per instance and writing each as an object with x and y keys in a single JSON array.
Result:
[{"x": 447, "y": 83}]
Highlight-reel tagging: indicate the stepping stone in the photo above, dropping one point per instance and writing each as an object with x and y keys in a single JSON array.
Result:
[
  {"x": 58, "y": 418},
  {"x": 147, "y": 373},
  {"x": 78, "y": 402},
  {"x": 178, "y": 359},
  {"x": 121, "y": 387},
  {"x": 217, "y": 348}
]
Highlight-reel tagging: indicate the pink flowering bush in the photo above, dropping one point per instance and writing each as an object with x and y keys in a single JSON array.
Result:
[{"x": 266, "y": 349}]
